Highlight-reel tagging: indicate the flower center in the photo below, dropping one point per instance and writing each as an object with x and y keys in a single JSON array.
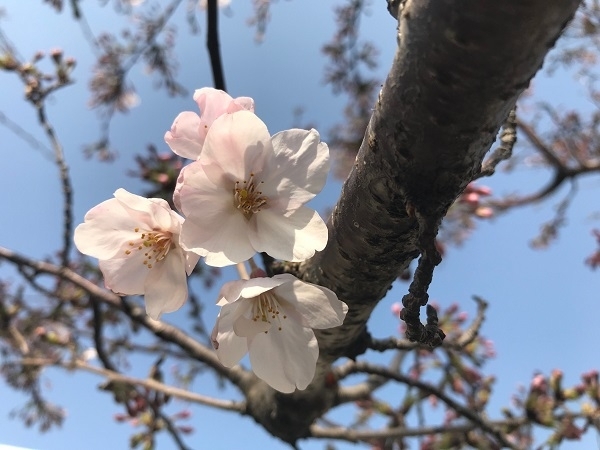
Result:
[
  {"x": 247, "y": 198},
  {"x": 266, "y": 309},
  {"x": 154, "y": 244}
]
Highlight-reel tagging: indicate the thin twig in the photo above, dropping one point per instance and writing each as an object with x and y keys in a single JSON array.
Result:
[
  {"x": 148, "y": 383},
  {"x": 347, "y": 434},
  {"x": 26, "y": 136}
]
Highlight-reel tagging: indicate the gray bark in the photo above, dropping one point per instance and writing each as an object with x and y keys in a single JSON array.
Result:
[{"x": 458, "y": 70}]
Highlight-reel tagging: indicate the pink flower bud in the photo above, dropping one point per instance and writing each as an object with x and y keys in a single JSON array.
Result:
[
  {"x": 484, "y": 212},
  {"x": 472, "y": 198}
]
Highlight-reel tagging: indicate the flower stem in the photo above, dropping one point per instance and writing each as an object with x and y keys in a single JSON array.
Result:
[{"x": 241, "y": 268}]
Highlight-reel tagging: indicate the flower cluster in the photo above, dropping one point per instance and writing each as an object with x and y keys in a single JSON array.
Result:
[{"x": 244, "y": 192}]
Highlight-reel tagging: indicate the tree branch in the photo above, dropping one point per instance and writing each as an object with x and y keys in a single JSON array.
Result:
[
  {"x": 148, "y": 383},
  {"x": 167, "y": 332},
  {"x": 464, "y": 411},
  {"x": 212, "y": 44},
  {"x": 437, "y": 115}
]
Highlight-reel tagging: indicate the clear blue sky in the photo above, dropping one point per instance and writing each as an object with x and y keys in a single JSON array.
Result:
[{"x": 284, "y": 72}]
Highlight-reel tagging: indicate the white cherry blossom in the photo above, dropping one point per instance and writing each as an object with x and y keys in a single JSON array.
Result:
[
  {"x": 188, "y": 132},
  {"x": 137, "y": 242},
  {"x": 273, "y": 320},
  {"x": 246, "y": 192}
]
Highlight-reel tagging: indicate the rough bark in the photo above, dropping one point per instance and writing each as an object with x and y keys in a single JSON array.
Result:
[{"x": 458, "y": 70}]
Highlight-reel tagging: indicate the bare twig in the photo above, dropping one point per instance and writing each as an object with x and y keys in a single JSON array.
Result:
[
  {"x": 148, "y": 383},
  {"x": 464, "y": 411},
  {"x": 65, "y": 179},
  {"x": 347, "y": 434},
  {"x": 26, "y": 136}
]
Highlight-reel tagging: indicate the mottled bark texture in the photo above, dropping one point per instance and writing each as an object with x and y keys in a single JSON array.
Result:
[{"x": 458, "y": 70}]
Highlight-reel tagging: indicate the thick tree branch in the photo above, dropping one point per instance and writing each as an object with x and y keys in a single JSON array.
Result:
[{"x": 445, "y": 98}]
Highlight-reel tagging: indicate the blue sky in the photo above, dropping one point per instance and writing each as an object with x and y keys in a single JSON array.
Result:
[{"x": 284, "y": 72}]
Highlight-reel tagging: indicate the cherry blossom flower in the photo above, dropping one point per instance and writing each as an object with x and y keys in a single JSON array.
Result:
[
  {"x": 189, "y": 130},
  {"x": 137, "y": 242},
  {"x": 246, "y": 193},
  {"x": 272, "y": 319}
]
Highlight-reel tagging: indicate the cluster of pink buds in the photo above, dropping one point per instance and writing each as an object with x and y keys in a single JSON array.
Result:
[{"x": 471, "y": 197}]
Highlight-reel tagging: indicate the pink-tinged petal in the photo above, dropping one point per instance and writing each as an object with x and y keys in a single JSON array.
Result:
[
  {"x": 241, "y": 103},
  {"x": 166, "y": 287},
  {"x": 299, "y": 169},
  {"x": 230, "y": 348},
  {"x": 316, "y": 306},
  {"x": 185, "y": 138},
  {"x": 212, "y": 103},
  {"x": 237, "y": 144},
  {"x": 126, "y": 276},
  {"x": 178, "y": 186},
  {"x": 285, "y": 359},
  {"x": 294, "y": 237},
  {"x": 107, "y": 229}
]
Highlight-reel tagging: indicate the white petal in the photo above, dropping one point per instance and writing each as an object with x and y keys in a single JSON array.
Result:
[
  {"x": 127, "y": 275},
  {"x": 285, "y": 359},
  {"x": 166, "y": 287},
  {"x": 295, "y": 237},
  {"x": 299, "y": 169},
  {"x": 317, "y": 306},
  {"x": 237, "y": 144},
  {"x": 245, "y": 326},
  {"x": 230, "y": 347},
  {"x": 228, "y": 244},
  {"x": 184, "y": 138},
  {"x": 253, "y": 287},
  {"x": 107, "y": 229}
]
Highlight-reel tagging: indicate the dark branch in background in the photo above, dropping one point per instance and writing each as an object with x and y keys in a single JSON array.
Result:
[{"x": 212, "y": 43}]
